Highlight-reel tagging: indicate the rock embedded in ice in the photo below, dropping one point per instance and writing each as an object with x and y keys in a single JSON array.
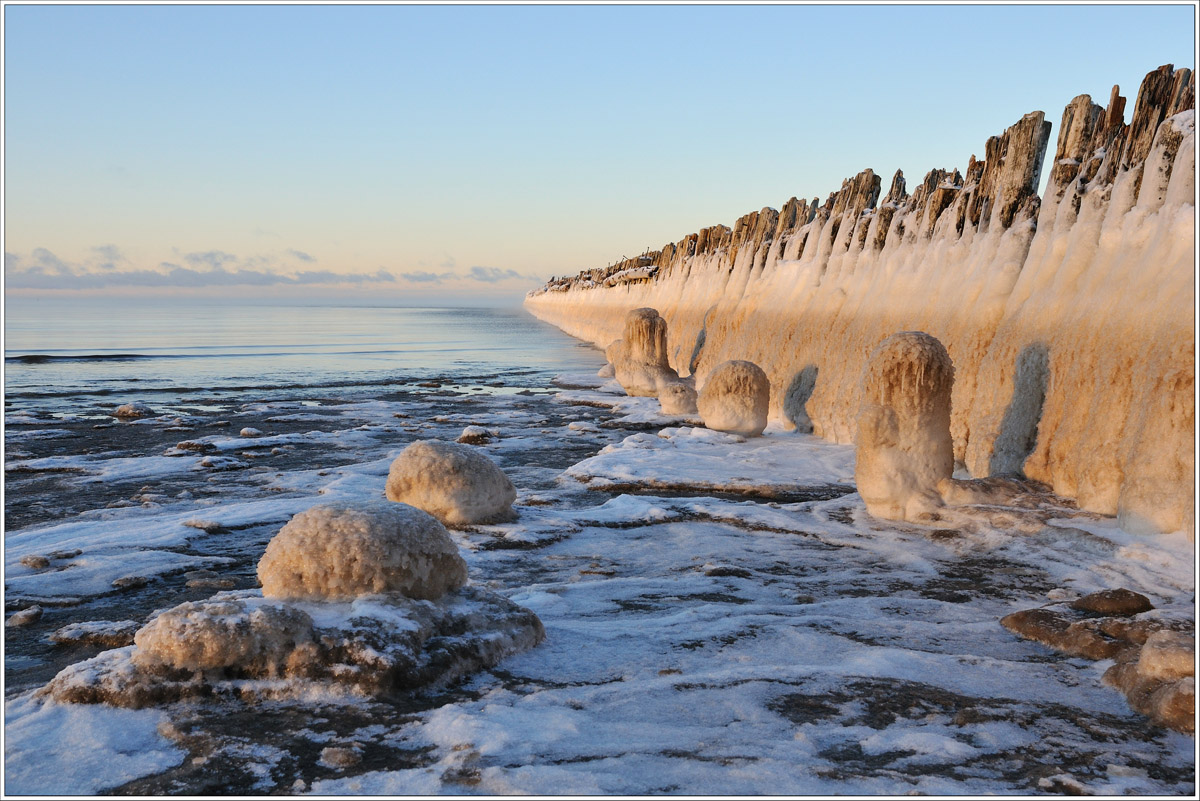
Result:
[
  {"x": 474, "y": 435},
  {"x": 903, "y": 447},
  {"x": 1113, "y": 602},
  {"x": 210, "y": 635},
  {"x": 105, "y": 633},
  {"x": 23, "y": 618},
  {"x": 639, "y": 358},
  {"x": 340, "y": 551},
  {"x": 249, "y": 432},
  {"x": 35, "y": 561},
  {"x": 134, "y": 410},
  {"x": 735, "y": 398},
  {"x": 677, "y": 398},
  {"x": 456, "y": 484},
  {"x": 1168, "y": 655},
  {"x": 241, "y": 646}
]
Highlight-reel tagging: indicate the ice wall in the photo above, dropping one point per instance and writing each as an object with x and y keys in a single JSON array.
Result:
[{"x": 1069, "y": 318}]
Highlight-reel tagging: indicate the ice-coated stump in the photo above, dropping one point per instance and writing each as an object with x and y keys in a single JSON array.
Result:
[
  {"x": 734, "y": 398},
  {"x": 639, "y": 358},
  {"x": 903, "y": 447},
  {"x": 455, "y": 483},
  {"x": 339, "y": 551}
]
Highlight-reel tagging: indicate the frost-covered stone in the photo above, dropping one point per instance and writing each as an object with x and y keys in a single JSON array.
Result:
[
  {"x": 249, "y": 432},
  {"x": 639, "y": 358},
  {"x": 134, "y": 410},
  {"x": 677, "y": 398},
  {"x": 903, "y": 447},
  {"x": 106, "y": 633},
  {"x": 254, "y": 636},
  {"x": 474, "y": 435},
  {"x": 339, "y": 551},
  {"x": 35, "y": 561},
  {"x": 734, "y": 398},
  {"x": 239, "y": 645},
  {"x": 1168, "y": 655},
  {"x": 456, "y": 484},
  {"x": 23, "y": 618}
]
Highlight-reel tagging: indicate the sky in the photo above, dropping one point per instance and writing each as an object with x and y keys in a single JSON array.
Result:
[{"x": 430, "y": 154}]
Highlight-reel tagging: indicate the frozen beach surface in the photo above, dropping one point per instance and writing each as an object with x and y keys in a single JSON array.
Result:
[
  {"x": 688, "y": 459},
  {"x": 721, "y": 615}
]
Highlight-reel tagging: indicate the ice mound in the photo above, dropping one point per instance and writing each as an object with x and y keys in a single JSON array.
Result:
[
  {"x": 639, "y": 359},
  {"x": 903, "y": 447},
  {"x": 134, "y": 410},
  {"x": 677, "y": 398},
  {"x": 474, "y": 435},
  {"x": 209, "y": 635},
  {"x": 1154, "y": 655},
  {"x": 240, "y": 645},
  {"x": 456, "y": 484},
  {"x": 734, "y": 398},
  {"x": 340, "y": 551}
]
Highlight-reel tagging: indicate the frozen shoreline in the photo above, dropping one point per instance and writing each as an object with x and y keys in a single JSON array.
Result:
[{"x": 694, "y": 644}]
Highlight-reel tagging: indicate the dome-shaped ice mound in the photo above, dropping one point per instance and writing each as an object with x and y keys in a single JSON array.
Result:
[
  {"x": 339, "y": 551},
  {"x": 134, "y": 410},
  {"x": 903, "y": 446},
  {"x": 734, "y": 398},
  {"x": 210, "y": 635},
  {"x": 455, "y": 483},
  {"x": 677, "y": 397}
]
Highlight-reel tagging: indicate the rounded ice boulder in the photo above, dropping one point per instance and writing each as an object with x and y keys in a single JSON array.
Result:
[
  {"x": 903, "y": 446},
  {"x": 734, "y": 398},
  {"x": 677, "y": 398},
  {"x": 457, "y": 484},
  {"x": 340, "y": 551}
]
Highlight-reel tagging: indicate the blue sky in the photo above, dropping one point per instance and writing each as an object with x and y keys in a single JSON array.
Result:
[{"x": 426, "y": 152}]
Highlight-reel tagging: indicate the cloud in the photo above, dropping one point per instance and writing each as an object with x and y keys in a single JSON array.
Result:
[
  {"x": 110, "y": 256},
  {"x": 215, "y": 259},
  {"x": 426, "y": 277},
  {"x": 300, "y": 254},
  {"x": 493, "y": 274},
  {"x": 213, "y": 268}
]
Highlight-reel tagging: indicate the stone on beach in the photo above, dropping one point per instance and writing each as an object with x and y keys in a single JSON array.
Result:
[
  {"x": 639, "y": 358},
  {"x": 474, "y": 435},
  {"x": 134, "y": 410},
  {"x": 338, "y": 551},
  {"x": 903, "y": 447},
  {"x": 734, "y": 398},
  {"x": 455, "y": 483}
]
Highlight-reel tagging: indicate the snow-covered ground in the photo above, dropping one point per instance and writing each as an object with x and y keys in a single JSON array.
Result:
[{"x": 704, "y": 635}]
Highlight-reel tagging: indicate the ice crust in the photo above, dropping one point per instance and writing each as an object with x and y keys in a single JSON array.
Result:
[
  {"x": 457, "y": 484},
  {"x": 1069, "y": 321},
  {"x": 342, "y": 550}
]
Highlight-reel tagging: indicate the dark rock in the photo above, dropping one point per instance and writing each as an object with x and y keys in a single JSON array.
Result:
[{"x": 1120, "y": 601}]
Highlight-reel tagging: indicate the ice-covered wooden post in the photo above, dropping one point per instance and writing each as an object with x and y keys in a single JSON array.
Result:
[
  {"x": 735, "y": 398},
  {"x": 903, "y": 447},
  {"x": 639, "y": 359}
]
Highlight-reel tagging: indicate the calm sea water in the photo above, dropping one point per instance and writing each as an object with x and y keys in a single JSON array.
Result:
[{"x": 65, "y": 356}]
